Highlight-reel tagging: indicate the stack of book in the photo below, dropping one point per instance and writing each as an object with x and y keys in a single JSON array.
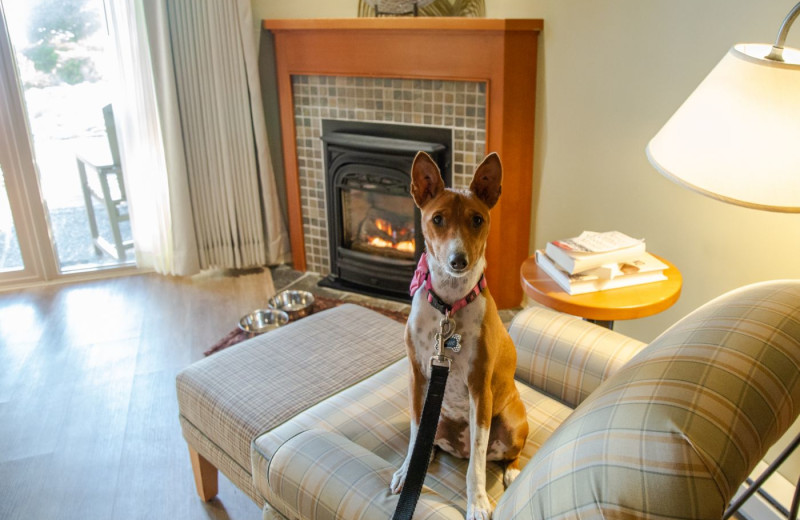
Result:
[{"x": 599, "y": 261}]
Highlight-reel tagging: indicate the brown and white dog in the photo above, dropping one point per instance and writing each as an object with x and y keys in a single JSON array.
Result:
[{"x": 482, "y": 415}]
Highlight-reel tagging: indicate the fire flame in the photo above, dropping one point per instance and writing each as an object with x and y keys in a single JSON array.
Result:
[
  {"x": 406, "y": 246},
  {"x": 384, "y": 225}
]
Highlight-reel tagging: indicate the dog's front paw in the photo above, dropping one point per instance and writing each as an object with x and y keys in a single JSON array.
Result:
[
  {"x": 479, "y": 509},
  {"x": 510, "y": 476},
  {"x": 398, "y": 479}
]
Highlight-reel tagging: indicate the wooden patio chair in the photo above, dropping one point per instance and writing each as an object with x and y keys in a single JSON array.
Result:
[{"x": 104, "y": 183}]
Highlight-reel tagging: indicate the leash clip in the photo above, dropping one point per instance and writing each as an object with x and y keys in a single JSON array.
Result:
[
  {"x": 441, "y": 360},
  {"x": 447, "y": 327}
]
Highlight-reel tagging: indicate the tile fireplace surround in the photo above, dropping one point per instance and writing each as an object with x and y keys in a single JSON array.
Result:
[{"x": 474, "y": 76}]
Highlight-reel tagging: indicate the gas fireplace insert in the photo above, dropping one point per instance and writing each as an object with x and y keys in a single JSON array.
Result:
[{"x": 374, "y": 230}]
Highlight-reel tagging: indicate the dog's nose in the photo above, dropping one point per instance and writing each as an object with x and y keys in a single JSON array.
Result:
[{"x": 458, "y": 261}]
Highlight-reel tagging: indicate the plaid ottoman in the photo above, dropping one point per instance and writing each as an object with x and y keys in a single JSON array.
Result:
[{"x": 230, "y": 398}]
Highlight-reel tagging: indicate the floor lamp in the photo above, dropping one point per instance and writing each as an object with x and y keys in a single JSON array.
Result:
[{"x": 737, "y": 139}]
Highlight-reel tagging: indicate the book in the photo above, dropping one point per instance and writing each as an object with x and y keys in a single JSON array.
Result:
[
  {"x": 642, "y": 269},
  {"x": 591, "y": 250}
]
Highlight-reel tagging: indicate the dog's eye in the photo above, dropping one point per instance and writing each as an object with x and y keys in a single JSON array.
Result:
[
  {"x": 438, "y": 220},
  {"x": 477, "y": 221}
]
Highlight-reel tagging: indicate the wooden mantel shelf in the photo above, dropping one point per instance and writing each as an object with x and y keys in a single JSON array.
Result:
[
  {"x": 422, "y": 23},
  {"x": 499, "y": 52}
]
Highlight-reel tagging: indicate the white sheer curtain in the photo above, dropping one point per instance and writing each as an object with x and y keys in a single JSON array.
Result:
[
  {"x": 201, "y": 188},
  {"x": 146, "y": 110}
]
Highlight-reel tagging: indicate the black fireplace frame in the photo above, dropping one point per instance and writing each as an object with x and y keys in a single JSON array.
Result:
[{"x": 375, "y": 157}]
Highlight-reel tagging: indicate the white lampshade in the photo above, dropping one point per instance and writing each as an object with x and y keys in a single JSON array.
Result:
[{"x": 737, "y": 137}]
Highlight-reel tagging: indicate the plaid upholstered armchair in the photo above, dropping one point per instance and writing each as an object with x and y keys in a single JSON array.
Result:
[
  {"x": 618, "y": 429},
  {"x": 679, "y": 427}
]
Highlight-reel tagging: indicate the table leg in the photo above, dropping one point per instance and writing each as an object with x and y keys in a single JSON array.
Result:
[{"x": 609, "y": 324}]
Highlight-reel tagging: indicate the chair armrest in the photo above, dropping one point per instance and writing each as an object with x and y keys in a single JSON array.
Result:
[
  {"x": 320, "y": 474},
  {"x": 101, "y": 167},
  {"x": 564, "y": 356}
]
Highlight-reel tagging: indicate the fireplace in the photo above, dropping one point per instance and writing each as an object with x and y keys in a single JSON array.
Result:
[
  {"x": 374, "y": 227},
  {"x": 417, "y": 71}
]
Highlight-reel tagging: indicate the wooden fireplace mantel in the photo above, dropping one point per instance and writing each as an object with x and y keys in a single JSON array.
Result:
[{"x": 500, "y": 52}]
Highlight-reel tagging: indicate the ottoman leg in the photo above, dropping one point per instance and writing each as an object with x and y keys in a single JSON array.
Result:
[{"x": 205, "y": 476}]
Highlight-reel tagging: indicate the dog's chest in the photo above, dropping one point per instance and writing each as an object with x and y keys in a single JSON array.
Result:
[{"x": 424, "y": 325}]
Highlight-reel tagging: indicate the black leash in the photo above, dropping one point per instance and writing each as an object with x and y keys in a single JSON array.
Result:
[{"x": 421, "y": 454}]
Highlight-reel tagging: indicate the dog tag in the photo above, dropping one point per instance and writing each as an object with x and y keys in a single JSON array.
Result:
[{"x": 453, "y": 342}]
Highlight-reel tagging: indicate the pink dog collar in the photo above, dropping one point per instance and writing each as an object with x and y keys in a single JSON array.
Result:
[{"x": 422, "y": 277}]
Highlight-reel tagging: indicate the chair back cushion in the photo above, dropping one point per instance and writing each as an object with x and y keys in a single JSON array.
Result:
[{"x": 676, "y": 431}]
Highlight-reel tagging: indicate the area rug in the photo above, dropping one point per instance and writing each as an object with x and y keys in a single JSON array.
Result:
[{"x": 320, "y": 304}]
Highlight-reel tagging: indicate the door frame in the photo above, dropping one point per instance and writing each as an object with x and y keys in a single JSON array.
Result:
[
  {"x": 24, "y": 192},
  {"x": 17, "y": 162}
]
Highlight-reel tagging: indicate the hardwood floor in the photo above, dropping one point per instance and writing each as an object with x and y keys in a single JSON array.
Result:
[{"x": 88, "y": 412}]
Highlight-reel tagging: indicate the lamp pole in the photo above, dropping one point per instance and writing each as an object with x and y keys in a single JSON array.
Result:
[{"x": 783, "y": 32}]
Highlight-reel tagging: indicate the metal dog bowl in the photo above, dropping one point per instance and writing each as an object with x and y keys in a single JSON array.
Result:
[
  {"x": 263, "y": 320},
  {"x": 294, "y": 303}
]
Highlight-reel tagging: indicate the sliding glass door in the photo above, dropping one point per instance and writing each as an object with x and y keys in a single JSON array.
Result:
[
  {"x": 12, "y": 265},
  {"x": 63, "y": 205},
  {"x": 10, "y": 254}
]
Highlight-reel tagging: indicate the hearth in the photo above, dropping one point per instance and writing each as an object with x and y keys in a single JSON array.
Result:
[{"x": 375, "y": 238}]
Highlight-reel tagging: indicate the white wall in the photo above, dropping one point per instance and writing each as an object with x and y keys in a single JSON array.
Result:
[
  {"x": 614, "y": 71},
  {"x": 304, "y": 9}
]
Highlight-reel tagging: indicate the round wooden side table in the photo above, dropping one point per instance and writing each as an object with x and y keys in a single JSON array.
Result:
[{"x": 603, "y": 307}]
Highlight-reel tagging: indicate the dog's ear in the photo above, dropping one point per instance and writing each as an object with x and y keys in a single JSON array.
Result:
[
  {"x": 486, "y": 183},
  {"x": 426, "y": 181}
]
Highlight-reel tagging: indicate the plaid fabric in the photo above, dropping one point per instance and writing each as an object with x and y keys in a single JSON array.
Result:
[
  {"x": 228, "y": 399},
  {"x": 374, "y": 416},
  {"x": 321, "y": 475},
  {"x": 236, "y": 473},
  {"x": 269, "y": 513},
  {"x": 566, "y": 357},
  {"x": 678, "y": 429}
]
